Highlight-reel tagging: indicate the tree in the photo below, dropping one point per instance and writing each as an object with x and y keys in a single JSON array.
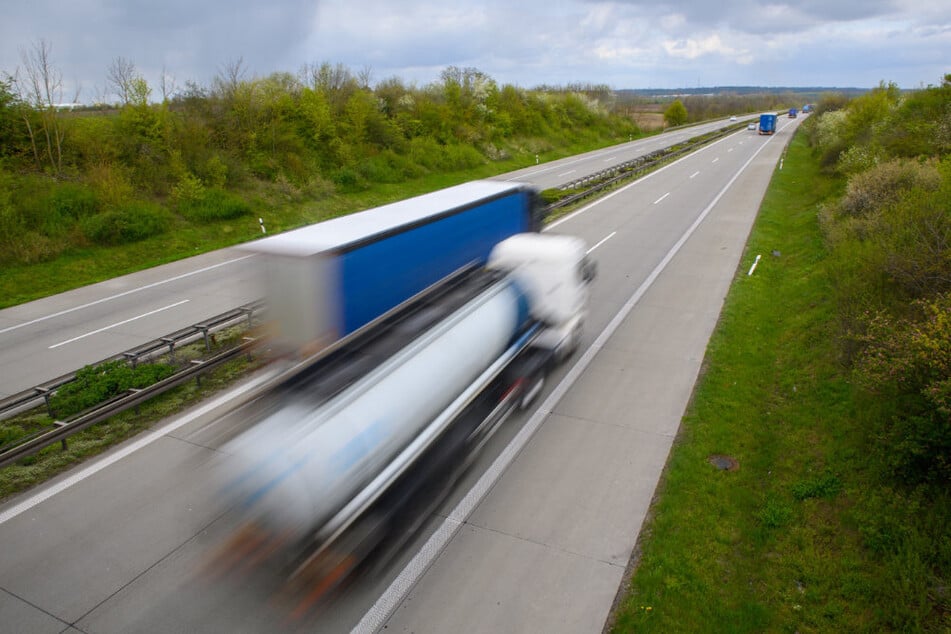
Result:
[
  {"x": 9, "y": 117},
  {"x": 43, "y": 91},
  {"x": 675, "y": 114},
  {"x": 122, "y": 76}
]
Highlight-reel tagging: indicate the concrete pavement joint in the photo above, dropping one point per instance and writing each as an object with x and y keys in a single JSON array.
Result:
[
  {"x": 544, "y": 545},
  {"x": 34, "y": 606}
]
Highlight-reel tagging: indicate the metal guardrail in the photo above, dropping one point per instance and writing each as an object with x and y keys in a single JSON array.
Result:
[
  {"x": 630, "y": 169},
  {"x": 205, "y": 330},
  {"x": 121, "y": 403},
  {"x": 166, "y": 345}
]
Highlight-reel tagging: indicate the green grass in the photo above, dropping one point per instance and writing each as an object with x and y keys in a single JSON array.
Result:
[
  {"x": 776, "y": 545},
  {"x": 279, "y": 210},
  {"x": 94, "y": 440}
]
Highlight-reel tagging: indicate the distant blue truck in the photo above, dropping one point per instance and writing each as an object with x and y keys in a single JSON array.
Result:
[
  {"x": 330, "y": 279},
  {"x": 793, "y": 113},
  {"x": 767, "y": 123}
]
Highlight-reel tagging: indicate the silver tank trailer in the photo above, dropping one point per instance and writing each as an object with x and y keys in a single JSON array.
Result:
[{"x": 296, "y": 468}]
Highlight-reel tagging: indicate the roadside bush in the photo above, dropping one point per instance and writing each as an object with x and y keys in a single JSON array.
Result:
[
  {"x": 131, "y": 222},
  {"x": 906, "y": 366},
  {"x": 212, "y": 205},
  {"x": 74, "y": 201},
  {"x": 97, "y": 384},
  {"x": 349, "y": 180},
  {"x": 885, "y": 184},
  {"x": 388, "y": 167}
]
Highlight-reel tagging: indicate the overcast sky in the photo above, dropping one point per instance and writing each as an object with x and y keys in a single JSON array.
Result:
[{"x": 624, "y": 43}]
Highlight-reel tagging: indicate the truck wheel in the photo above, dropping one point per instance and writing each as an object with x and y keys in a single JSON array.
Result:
[
  {"x": 531, "y": 392},
  {"x": 574, "y": 342}
]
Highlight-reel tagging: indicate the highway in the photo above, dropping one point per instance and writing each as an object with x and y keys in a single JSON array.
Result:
[
  {"x": 536, "y": 537},
  {"x": 47, "y": 338}
]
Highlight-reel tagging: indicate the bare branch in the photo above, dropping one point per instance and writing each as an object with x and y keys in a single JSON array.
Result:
[{"x": 120, "y": 76}]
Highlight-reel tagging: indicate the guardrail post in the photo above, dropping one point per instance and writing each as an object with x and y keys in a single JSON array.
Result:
[
  {"x": 197, "y": 376},
  {"x": 132, "y": 358},
  {"x": 46, "y": 397},
  {"x": 249, "y": 312},
  {"x": 171, "y": 346},
  {"x": 204, "y": 331},
  {"x": 62, "y": 443}
]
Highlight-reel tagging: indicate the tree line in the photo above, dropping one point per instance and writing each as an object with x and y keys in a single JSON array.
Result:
[{"x": 106, "y": 176}]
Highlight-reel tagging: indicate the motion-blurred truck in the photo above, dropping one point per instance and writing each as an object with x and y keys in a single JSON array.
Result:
[
  {"x": 327, "y": 280},
  {"x": 336, "y": 450}
]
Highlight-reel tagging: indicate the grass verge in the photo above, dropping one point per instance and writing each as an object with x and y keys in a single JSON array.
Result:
[
  {"x": 280, "y": 211},
  {"x": 779, "y": 544},
  {"x": 98, "y": 438}
]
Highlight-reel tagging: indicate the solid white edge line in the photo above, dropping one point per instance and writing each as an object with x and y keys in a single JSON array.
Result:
[
  {"x": 112, "y": 458},
  {"x": 377, "y": 615},
  {"x": 173, "y": 425},
  {"x": 123, "y": 294},
  {"x": 119, "y": 323}
]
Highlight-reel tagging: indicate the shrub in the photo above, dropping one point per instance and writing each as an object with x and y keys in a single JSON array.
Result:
[
  {"x": 74, "y": 201},
  {"x": 885, "y": 184},
  {"x": 214, "y": 204},
  {"x": 906, "y": 365},
  {"x": 349, "y": 180},
  {"x": 132, "y": 222},
  {"x": 96, "y": 384}
]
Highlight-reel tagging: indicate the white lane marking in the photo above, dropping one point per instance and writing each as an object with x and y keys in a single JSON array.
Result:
[
  {"x": 566, "y": 173},
  {"x": 113, "y": 458},
  {"x": 472, "y": 498},
  {"x": 661, "y": 198},
  {"x": 694, "y": 174},
  {"x": 128, "y": 292},
  {"x": 592, "y": 205},
  {"x": 646, "y": 144},
  {"x": 729, "y": 149},
  {"x": 603, "y": 240},
  {"x": 715, "y": 160},
  {"x": 610, "y": 158},
  {"x": 119, "y": 323},
  {"x": 377, "y": 615}
]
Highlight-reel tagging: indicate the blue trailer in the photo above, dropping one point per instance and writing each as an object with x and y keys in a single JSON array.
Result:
[
  {"x": 767, "y": 123},
  {"x": 793, "y": 113},
  {"x": 328, "y": 280}
]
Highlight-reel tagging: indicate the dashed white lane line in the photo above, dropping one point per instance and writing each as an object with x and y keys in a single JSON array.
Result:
[
  {"x": 118, "y": 323},
  {"x": 128, "y": 292},
  {"x": 661, "y": 198},
  {"x": 603, "y": 240}
]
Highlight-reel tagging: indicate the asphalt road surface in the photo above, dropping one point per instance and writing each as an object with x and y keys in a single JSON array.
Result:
[{"x": 538, "y": 534}]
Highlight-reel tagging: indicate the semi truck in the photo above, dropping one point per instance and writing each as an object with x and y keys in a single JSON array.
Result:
[
  {"x": 767, "y": 123},
  {"x": 339, "y": 449},
  {"x": 327, "y": 280}
]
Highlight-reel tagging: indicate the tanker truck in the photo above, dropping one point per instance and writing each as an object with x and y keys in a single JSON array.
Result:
[{"x": 338, "y": 450}]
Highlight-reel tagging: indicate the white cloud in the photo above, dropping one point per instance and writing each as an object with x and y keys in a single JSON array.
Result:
[{"x": 623, "y": 43}]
